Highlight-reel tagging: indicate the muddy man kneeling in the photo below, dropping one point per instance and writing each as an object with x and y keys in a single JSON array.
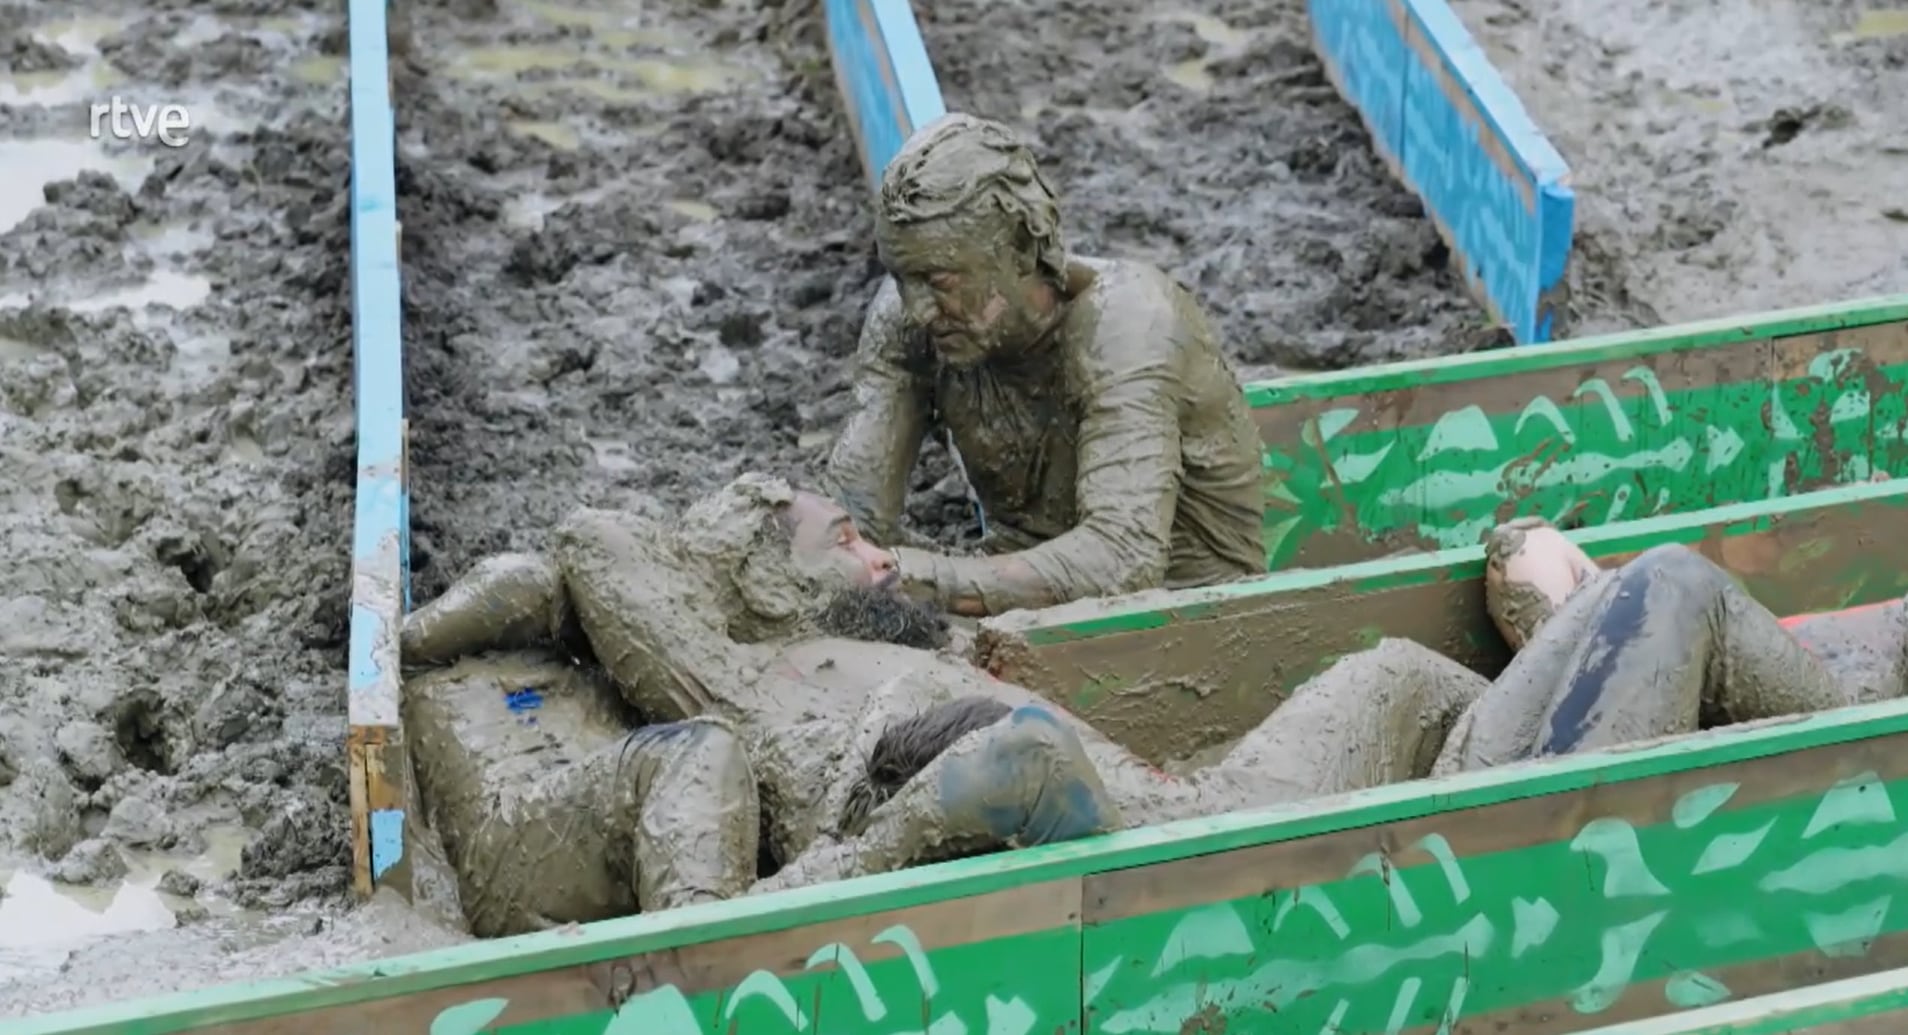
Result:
[{"x": 1104, "y": 434}]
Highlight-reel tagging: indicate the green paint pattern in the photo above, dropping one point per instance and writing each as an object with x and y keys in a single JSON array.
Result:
[
  {"x": 1385, "y": 948},
  {"x": 1392, "y": 947},
  {"x": 1602, "y": 454},
  {"x": 1017, "y": 986}
]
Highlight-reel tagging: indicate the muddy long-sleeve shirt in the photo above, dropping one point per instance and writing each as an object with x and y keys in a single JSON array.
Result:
[{"x": 1118, "y": 455}]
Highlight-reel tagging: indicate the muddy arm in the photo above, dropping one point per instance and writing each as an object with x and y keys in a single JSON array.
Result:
[
  {"x": 868, "y": 470},
  {"x": 1128, "y": 489},
  {"x": 655, "y": 630}
]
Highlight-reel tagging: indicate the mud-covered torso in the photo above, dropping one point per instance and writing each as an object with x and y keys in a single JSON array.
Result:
[
  {"x": 1017, "y": 424},
  {"x": 1023, "y": 441}
]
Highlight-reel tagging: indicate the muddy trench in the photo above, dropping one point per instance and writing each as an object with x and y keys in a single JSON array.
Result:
[{"x": 635, "y": 253}]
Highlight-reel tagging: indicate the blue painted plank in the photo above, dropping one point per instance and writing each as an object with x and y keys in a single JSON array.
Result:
[
  {"x": 380, "y": 540},
  {"x": 1446, "y": 122},
  {"x": 882, "y": 70}
]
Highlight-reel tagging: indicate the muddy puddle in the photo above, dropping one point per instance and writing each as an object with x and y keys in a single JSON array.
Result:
[{"x": 1730, "y": 157}]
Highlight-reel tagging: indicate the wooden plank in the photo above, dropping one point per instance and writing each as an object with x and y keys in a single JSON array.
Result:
[
  {"x": 1447, "y": 125},
  {"x": 1612, "y": 435},
  {"x": 887, "y": 85},
  {"x": 1874, "y": 1004},
  {"x": 1542, "y": 916},
  {"x": 856, "y": 972},
  {"x": 1030, "y": 957},
  {"x": 1138, "y": 669},
  {"x": 379, "y": 789}
]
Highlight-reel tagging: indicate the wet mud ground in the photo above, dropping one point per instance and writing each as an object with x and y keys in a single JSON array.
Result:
[
  {"x": 1729, "y": 157},
  {"x": 1206, "y": 139},
  {"x": 636, "y": 250},
  {"x": 175, "y": 432}
]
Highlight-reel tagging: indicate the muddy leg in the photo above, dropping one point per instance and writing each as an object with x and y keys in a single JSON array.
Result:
[
  {"x": 697, "y": 819},
  {"x": 1375, "y": 717},
  {"x": 506, "y": 602},
  {"x": 1645, "y": 651},
  {"x": 1023, "y": 781}
]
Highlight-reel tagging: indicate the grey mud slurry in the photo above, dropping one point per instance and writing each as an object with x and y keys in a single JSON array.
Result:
[
  {"x": 637, "y": 245},
  {"x": 1729, "y": 157},
  {"x": 1206, "y": 140},
  {"x": 176, "y": 441}
]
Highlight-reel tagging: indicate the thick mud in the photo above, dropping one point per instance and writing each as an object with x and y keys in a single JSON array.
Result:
[
  {"x": 636, "y": 251},
  {"x": 1729, "y": 157},
  {"x": 1205, "y": 139},
  {"x": 636, "y": 248},
  {"x": 175, "y": 428}
]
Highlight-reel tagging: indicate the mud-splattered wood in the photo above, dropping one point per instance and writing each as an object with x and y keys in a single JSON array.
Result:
[
  {"x": 378, "y": 766},
  {"x": 1367, "y": 463},
  {"x": 865, "y": 968},
  {"x": 1740, "y": 879},
  {"x": 1874, "y": 1004},
  {"x": 1819, "y": 860},
  {"x": 1168, "y": 674}
]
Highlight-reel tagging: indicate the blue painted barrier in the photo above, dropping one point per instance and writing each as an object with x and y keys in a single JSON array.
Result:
[
  {"x": 380, "y": 539},
  {"x": 883, "y": 74},
  {"x": 1453, "y": 131}
]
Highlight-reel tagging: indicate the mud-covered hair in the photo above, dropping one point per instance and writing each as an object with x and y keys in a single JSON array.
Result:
[
  {"x": 962, "y": 165},
  {"x": 739, "y": 533},
  {"x": 906, "y": 747}
]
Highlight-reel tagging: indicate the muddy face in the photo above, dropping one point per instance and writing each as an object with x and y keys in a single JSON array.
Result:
[
  {"x": 824, "y": 544},
  {"x": 971, "y": 234},
  {"x": 970, "y": 287}
]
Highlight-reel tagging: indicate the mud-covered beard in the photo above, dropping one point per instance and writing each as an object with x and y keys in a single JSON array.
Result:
[{"x": 883, "y": 616}]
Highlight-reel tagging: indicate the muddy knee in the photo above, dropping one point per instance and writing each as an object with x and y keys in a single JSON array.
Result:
[
  {"x": 1025, "y": 780},
  {"x": 699, "y": 823},
  {"x": 1682, "y": 566},
  {"x": 1530, "y": 569},
  {"x": 707, "y": 745}
]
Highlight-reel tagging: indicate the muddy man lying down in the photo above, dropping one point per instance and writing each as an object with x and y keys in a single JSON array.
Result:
[
  {"x": 763, "y": 612},
  {"x": 1665, "y": 644},
  {"x": 761, "y": 618}
]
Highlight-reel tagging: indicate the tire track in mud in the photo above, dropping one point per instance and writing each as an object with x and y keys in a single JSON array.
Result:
[{"x": 175, "y": 428}]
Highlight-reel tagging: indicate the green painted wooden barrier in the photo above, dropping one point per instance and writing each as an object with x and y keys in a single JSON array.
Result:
[
  {"x": 1552, "y": 897},
  {"x": 1876, "y": 1004},
  {"x": 1431, "y": 454}
]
